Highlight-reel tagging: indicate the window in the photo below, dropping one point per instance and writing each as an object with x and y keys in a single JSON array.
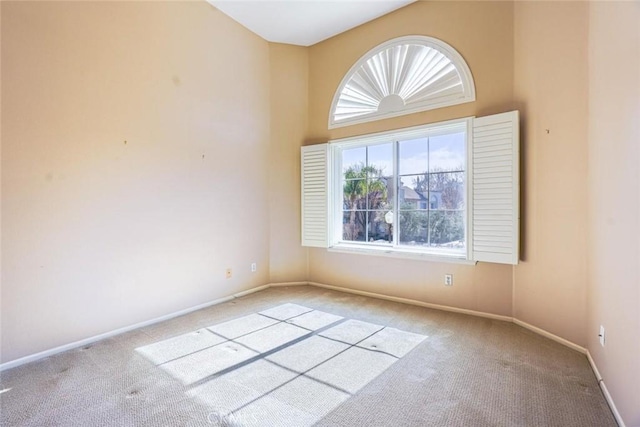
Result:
[
  {"x": 391, "y": 184},
  {"x": 402, "y": 76},
  {"x": 434, "y": 202},
  {"x": 447, "y": 190}
]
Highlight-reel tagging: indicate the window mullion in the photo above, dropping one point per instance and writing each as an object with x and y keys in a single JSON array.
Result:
[
  {"x": 428, "y": 177},
  {"x": 396, "y": 195},
  {"x": 366, "y": 194}
]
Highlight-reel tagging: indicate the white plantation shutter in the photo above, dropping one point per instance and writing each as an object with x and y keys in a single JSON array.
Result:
[
  {"x": 315, "y": 198},
  {"x": 402, "y": 76},
  {"x": 496, "y": 215}
]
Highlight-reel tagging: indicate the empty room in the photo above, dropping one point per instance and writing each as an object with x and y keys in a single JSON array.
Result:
[{"x": 328, "y": 213}]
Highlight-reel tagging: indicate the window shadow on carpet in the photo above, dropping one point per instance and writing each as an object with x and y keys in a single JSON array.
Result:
[{"x": 289, "y": 365}]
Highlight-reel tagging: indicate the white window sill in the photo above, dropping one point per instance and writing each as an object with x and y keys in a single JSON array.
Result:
[{"x": 391, "y": 252}]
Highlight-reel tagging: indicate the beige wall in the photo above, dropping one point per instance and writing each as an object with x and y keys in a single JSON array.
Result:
[
  {"x": 614, "y": 200},
  {"x": 483, "y": 34},
  {"x": 289, "y": 103},
  {"x": 550, "y": 90},
  {"x": 96, "y": 234}
]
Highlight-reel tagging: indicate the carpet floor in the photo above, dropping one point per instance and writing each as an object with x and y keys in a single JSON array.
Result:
[{"x": 302, "y": 355}]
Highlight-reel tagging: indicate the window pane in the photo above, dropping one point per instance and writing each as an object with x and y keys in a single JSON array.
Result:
[
  {"x": 378, "y": 230},
  {"x": 391, "y": 193},
  {"x": 354, "y": 194},
  {"x": 447, "y": 152},
  {"x": 380, "y": 159},
  {"x": 446, "y": 229},
  {"x": 365, "y": 226},
  {"x": 447, "y": 191},
  {"x": 413, "y": 192},
  {"x": 353, "y": 225},
  {"x": 378, "y": 194},
  {"x": 413, "y": 156},
  {"x": 354, "y": 158},
  {"x": 413, "y": 227}
]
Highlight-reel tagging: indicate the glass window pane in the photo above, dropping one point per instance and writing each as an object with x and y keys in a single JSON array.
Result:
[
  {"x": 380, "y": 158},
  {"x": 446, "y": 191},
  {"x": 447, "y": 152},
  {"x": 379, "y": 230},
  {"x": 378, "y": 194},
  {"x": 446, "y": 229},
  {"x": 413, "y": 192},
  {"x": 413, "y": 227},
  {"x": 391, "y": 192},
  {"x": 353, "y": 158},
  {"x": 354, "y": 194},
  {"x": 413, "y": 156},
  {"x": 354, "y": 225}
]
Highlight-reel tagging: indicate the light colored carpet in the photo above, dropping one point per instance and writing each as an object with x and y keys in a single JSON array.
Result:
[{"x": 303, "y": 355}]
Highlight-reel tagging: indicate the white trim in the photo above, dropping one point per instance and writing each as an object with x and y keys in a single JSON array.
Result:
[
  {"x": 549, "y": 335},
  {"x": 249, "y": 291},
  {"x": 567, "y": 343},
  {"x": 397, "y": 252},
  {"x": 335, "y": 214},
  {"x": 427, "y": 129},
  {"x": 90, "y": 340},
  {"x": 285, "y": 284},
  {"x": 414, "y": 302},
  {"x": 468, "y": 185},
  {"x": 605, "y": 391},
  {"x": 518, "y": 322},
  {"x": 83, "y": 342},
  {"x": 46, "y": 353},
  {"x": 468, "y": 91}
]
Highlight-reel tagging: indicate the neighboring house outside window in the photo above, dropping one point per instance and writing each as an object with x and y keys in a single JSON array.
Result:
[{"x": 434, "y": 202}]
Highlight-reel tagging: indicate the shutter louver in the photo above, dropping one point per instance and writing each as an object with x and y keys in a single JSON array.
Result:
[
  {"x": 496, "y": 215},
  {"x": 315, "y": 207},
  {"x": 402, "y": 76}
]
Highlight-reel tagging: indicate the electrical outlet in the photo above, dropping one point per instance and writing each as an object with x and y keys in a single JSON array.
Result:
[
  {"x": 448, "y": 279},
  {"x": 601, "y": 335},
  {"x": 228, "y": 273},
  {"x": 254, "y": 267}
]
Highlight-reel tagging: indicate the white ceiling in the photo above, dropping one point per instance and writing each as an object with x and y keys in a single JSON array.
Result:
[{"x": 304, "y": 22}]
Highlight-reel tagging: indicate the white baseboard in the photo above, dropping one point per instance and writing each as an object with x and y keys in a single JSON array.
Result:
[
  {"x": 90, "y": 340},
  {"x": 550, "y": 336},
  {"x": 518, "y": 322},
  {"x": 414, "y": 302},
  {"x": 76, "y": 344},
  {"x": 605, "y": 391},
  {"x": 250, "y": 291},
  {"x": 284, "y": 284}
]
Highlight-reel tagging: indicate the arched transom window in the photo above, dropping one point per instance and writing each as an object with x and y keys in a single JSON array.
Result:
[{"x": 402, "y": 76}]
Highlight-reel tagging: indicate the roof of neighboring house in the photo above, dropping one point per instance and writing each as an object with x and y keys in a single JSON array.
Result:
[{"x": 411, "y": 194}]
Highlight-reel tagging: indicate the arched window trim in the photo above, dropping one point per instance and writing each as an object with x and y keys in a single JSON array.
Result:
[{"x": 468, "y": 93}]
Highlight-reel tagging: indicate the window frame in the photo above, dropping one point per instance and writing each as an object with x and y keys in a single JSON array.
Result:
[
  {"x": 468, "y": 93},
  {"x": 336, "y": 242}
]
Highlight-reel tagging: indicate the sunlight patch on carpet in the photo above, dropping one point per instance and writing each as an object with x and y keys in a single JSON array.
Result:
[{"x": 287, "y": 365}]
